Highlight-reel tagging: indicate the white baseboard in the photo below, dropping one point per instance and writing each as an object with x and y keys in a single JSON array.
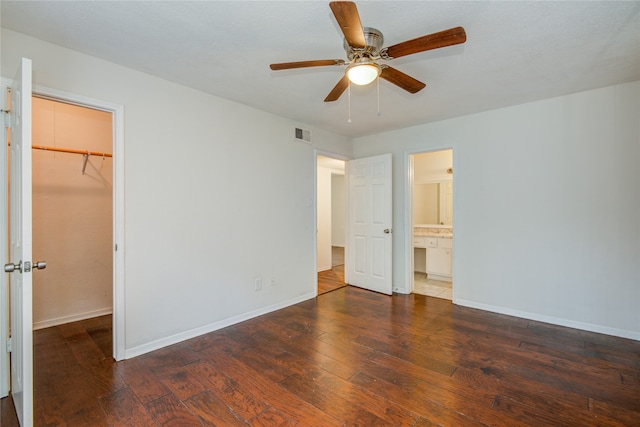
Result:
[
  {"x": 183, "y": 336},
  {"x": 72, "y": 318},
  {"x": 441, "y": 278},
  {"x": 552, "y": 320}
]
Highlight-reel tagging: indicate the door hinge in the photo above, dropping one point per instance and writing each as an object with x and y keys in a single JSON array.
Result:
[
  {"x": 9, "y": 346},
  {"x": 7, "y": 118}
]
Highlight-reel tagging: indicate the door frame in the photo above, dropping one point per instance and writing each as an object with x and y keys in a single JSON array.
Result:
[
  {"x": 408, "y": 211},
  {"x": 118, "y": 200},
  {"x": 316, "y": 153}
]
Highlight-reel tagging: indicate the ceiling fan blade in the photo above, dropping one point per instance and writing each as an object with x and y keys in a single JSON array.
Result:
[
  {"x": 338, "y": 89},
  {"x": 304, "y": 64},
  {"x": 444, "y": 38},
  {"x": 402, "y": 80},
  {"x": 346, "y": 14}
]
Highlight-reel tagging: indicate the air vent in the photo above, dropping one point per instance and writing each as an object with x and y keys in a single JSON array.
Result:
[{"x": 302, "y": 135}]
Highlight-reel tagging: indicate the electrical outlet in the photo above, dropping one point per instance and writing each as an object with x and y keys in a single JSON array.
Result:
[
  {"x": 258, "y": 284},
  {"x": 273, "y": 281}
]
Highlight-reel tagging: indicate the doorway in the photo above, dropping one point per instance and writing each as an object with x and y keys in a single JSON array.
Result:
[
  {"x": 118, "y": 185},
  {"x": 431, "y": 211},
  {"x": 72, "y": 196},
  {"x": 330, "y": 223}
]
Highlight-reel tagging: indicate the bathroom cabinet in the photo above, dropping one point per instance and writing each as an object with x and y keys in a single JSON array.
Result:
[{"x": 439, "y": 258}]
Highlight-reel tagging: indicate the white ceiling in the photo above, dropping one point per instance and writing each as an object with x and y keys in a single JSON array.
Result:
[{"x": 516, "y": 52}]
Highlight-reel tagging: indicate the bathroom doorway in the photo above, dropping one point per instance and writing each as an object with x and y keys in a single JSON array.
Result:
[{"x": 432, "y": 223}]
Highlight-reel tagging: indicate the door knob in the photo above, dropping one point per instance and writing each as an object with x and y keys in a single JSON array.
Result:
[
  {"x": 387, "y": 231},
  {"x": 10, "y": 267}
]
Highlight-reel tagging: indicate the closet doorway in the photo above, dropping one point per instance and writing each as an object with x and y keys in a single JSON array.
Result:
[{"x": 73, "y": 220}]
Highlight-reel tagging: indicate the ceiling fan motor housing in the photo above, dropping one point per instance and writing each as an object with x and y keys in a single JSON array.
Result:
[{"x": 373, "y": 40}]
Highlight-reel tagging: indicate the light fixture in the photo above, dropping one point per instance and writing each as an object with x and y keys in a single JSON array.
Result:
[{"x": 363, "y": 71}]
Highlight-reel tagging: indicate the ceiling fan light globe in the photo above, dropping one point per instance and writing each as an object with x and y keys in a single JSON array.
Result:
[{"x": 363, "y": 74}]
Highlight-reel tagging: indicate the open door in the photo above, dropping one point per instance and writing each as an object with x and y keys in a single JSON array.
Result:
[
  {"x": 370, "y": 220},
  {"x": 20, "y": 265}
]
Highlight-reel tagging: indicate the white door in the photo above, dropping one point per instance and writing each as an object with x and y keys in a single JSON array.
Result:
[
  {"x": 446, "y": 203},
  {"x": 370, "y": 220},
  {"x": 20, "y": 246}
]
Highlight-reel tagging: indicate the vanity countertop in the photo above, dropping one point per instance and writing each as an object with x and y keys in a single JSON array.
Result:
[
  {"x": 445, "y": 232},
  {"x": 441, "y": 235}
]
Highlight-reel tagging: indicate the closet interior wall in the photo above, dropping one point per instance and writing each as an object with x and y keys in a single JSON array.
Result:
[{"x": 72, "y": 213}]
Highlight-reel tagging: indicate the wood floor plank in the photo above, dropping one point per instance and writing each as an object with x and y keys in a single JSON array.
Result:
[
  {"x": 430, "y": 411},
  {"x": 306, "y": 350},
  {"x": 8, "y": 416},
  {"x": 622, "y": 395},
  {"x": 272, "y": 417},
  {"x": 169, "y": 411},
  {"x": 182, "y": 382},
  {"x": 330, "y": 280},
  {"x": 215, "y": 341},
  {"x": 124, "y": 409},
  {"x": 236, "y": 397},
  {"x": 345, "y": 401},
  {"x": 286, "y": 402},
  {"x": 142, "y": 382},
  {"x": 212, "y": 411},
  {"x": 612, "y": 414}
]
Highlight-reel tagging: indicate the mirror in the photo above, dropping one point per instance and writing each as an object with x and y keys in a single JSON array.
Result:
[{"x": 433, "y": 203}]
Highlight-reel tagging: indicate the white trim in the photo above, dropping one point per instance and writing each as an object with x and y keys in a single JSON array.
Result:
[
  {"x": 174, "y": 339},
  {"x": 73, "y": 318},
  {"x": 408, "y": 218},
  {"x": 117, "y": 111},
  {"x": 634, "y": 335}
]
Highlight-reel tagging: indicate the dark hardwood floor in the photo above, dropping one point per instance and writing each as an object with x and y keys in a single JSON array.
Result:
[
  {"x": 330, "y": 280},
  {"x": 348, "y": 357}
]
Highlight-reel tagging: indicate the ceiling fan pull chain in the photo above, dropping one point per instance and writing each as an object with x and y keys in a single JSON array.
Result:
[
  {"x": 349, "y": 101},
  {"x": 378, "y": 90}
]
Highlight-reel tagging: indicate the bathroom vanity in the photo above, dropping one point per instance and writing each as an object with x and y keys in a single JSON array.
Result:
[{"x": 438, "y": 244}]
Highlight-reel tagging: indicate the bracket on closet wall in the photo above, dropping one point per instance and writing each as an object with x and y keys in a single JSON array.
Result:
[
  {"x": 84, "y": 163},
  {"x": 7, "y": 118}
]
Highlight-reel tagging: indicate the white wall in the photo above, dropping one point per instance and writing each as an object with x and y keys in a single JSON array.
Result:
[
  {"x": 324, "y": 218},
  {"x": 202, "y": 218},
  {"x": 338, "y": 210},
  {"x": 72, "y": 214},
  {"x": 426, "y": 204},
  {"x": 432, "y": 166},
  {"x": 546, "y": 209}
]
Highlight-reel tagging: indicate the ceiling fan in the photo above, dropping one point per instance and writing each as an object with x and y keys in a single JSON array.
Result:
[{"x": 364, "y": 52}]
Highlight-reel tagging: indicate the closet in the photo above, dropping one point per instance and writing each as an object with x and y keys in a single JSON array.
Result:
[{"x": 72, "y": 212}]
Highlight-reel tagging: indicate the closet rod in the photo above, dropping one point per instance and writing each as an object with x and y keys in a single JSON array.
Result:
[
  {"x": 71, "y": 150},
  {"x": 68, "y": 150}
]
